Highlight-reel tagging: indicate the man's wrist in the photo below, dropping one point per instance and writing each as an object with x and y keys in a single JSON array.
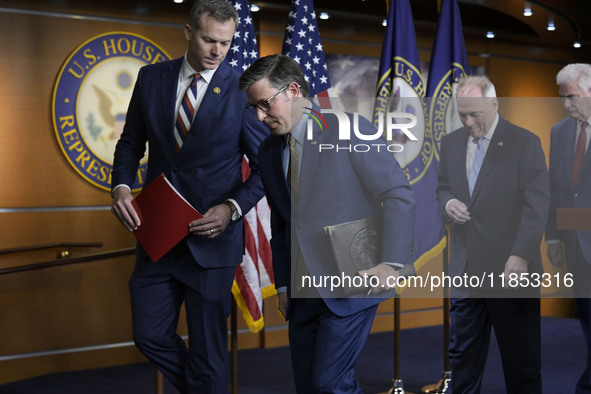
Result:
[
  {"x": 234, "y": 215},
  {"x": 118, "y": 187}
]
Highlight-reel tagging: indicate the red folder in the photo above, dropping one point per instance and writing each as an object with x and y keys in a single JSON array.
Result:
[{"x": 165, "y": 216}]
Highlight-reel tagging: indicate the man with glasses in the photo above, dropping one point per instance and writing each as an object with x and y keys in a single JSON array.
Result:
[
  {"x": 265, "y": 105},
  {"x": 307, "y": 190}
]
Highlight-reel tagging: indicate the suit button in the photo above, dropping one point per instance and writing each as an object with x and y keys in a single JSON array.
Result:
[
  {"x": 299, "y": 226},
  {"x": 576, "y": 195}
]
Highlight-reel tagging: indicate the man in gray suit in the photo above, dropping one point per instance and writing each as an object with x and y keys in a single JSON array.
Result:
[{"x": 570, "y": 186}]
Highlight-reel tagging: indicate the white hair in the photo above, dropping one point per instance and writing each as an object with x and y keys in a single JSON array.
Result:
[
  {"x": 575, "y": 72},
  {"x": 486, "y": 86}
]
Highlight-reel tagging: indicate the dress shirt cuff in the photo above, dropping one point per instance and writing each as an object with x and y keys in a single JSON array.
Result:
[
  {"x": 447, "y": 203},
  {"x": 553, "y": 241},
  {"x": 118, "y": 186},
  {"x": 236, "y": 214},
  {"x": 282, "y": 289},
  {"x": 404, "y": 270}
]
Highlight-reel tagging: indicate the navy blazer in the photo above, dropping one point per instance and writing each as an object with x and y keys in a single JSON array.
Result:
[
  {"x": 562, "y": 193},
  {"x": 509, "y": 205},
  {"x": 335, "y": 187},
  {"x": 207, "y": 170}
]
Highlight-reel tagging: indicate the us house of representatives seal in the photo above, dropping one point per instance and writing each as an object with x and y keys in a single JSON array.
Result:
[
  {"x": 365, "y": 249},
  {"x": 401, "y": 89},
  {"x": 90, "y": 100}
]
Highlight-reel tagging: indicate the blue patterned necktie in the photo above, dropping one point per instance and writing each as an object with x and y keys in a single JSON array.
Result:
[
  {"x": 186, "y": 113},
  {"x": 476, "y": 164}
]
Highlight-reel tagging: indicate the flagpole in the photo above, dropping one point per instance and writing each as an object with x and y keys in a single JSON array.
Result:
[
  {"x": 443, "y": 384},
  {"x": 234, "y": 346},
  {"x": 449, "y": 61},
  {"x": 397, "y": 383}
]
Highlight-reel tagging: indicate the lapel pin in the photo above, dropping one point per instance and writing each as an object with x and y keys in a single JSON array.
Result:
[
  {"x": 500, "y": 143},
  {"x": 313, "y": 142},
  {"x": 217, "y": 90}
]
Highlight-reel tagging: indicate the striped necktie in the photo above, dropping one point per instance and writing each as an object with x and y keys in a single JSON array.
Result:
[{"x": 186, "y": 113}]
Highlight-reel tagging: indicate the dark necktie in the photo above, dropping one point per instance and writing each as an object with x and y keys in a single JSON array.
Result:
[
  {"x": 186, "y": 113},
  {"x": 293, "y": 178},
  {"x": 579, "y": 154}
]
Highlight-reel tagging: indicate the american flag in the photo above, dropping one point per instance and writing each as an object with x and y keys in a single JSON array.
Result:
[
  {"x": 254, "y": 276},
  {"x": 243, "y": 51},
  {"x": 302, "y": 43}
]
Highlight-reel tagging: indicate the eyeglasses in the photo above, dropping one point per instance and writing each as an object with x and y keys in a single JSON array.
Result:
[{"x": 264, "y": 106}]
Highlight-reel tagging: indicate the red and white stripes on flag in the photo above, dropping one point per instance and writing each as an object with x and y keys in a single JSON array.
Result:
[{"x": 254, "y": 276}]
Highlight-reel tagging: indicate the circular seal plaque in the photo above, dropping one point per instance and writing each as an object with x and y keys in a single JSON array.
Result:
[
  {"x": 365, "y": 249},
  {"x": 401, "y": 89},
  {"x": 90, "y": 101}
]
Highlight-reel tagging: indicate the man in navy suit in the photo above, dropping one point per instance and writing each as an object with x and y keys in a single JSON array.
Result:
[
  {"x": 326, "y": 331},
  {"x": 206, "y": 170},
  {"x": 493, "y": 189},
  {"x": 570, "y": 187}
]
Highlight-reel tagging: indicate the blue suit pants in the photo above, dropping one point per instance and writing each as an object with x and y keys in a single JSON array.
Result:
[
  {"x": 516, "y": 322},
  {"x": 158, "y": 291},
  {"x": 325, "y": 347}
]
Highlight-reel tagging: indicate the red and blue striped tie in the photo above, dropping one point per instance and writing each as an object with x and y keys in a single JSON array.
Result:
[{"x": 186, "y": 113}]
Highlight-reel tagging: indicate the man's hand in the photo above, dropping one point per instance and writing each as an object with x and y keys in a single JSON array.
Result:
[
  {"x": 457, "y": 211},
  {"x": 382, "y": 272},
  {"x": 213, "y": 222},
  {"x": 514, "y": 265},
  {"x": 554, "y": 253},
  {"x": 123, "y": 209},
  {"x": 282, "y": 304}
]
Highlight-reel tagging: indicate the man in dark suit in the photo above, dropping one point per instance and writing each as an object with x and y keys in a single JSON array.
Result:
[
  {"x": 493, "y": 188},
  {"x": 326, "y": 331},
  {"x": 205, "y": 167},
  {"x": 570, "y": 187}
]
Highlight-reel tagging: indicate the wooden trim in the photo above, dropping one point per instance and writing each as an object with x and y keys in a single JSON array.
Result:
[{"x": 68, "y": 261}]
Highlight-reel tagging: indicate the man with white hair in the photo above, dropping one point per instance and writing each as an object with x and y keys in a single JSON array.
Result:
[
  {"x": 493, "y": 190},
  {"x": 570, "y": 186}
]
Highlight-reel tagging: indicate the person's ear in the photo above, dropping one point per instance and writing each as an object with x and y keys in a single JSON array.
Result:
[
  {"x": 188, "y": 31},
  {"x": 495, "y": 105},
  {"x": 294, "y": 89}
]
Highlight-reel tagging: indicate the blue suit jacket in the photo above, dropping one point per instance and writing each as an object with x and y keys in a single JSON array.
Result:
[
  {"x": 207, "y": 170},
  {"x": 509, "y": 205},
  {"x": 562, "y": 194},
  {"x": 335, "y": 187}
]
